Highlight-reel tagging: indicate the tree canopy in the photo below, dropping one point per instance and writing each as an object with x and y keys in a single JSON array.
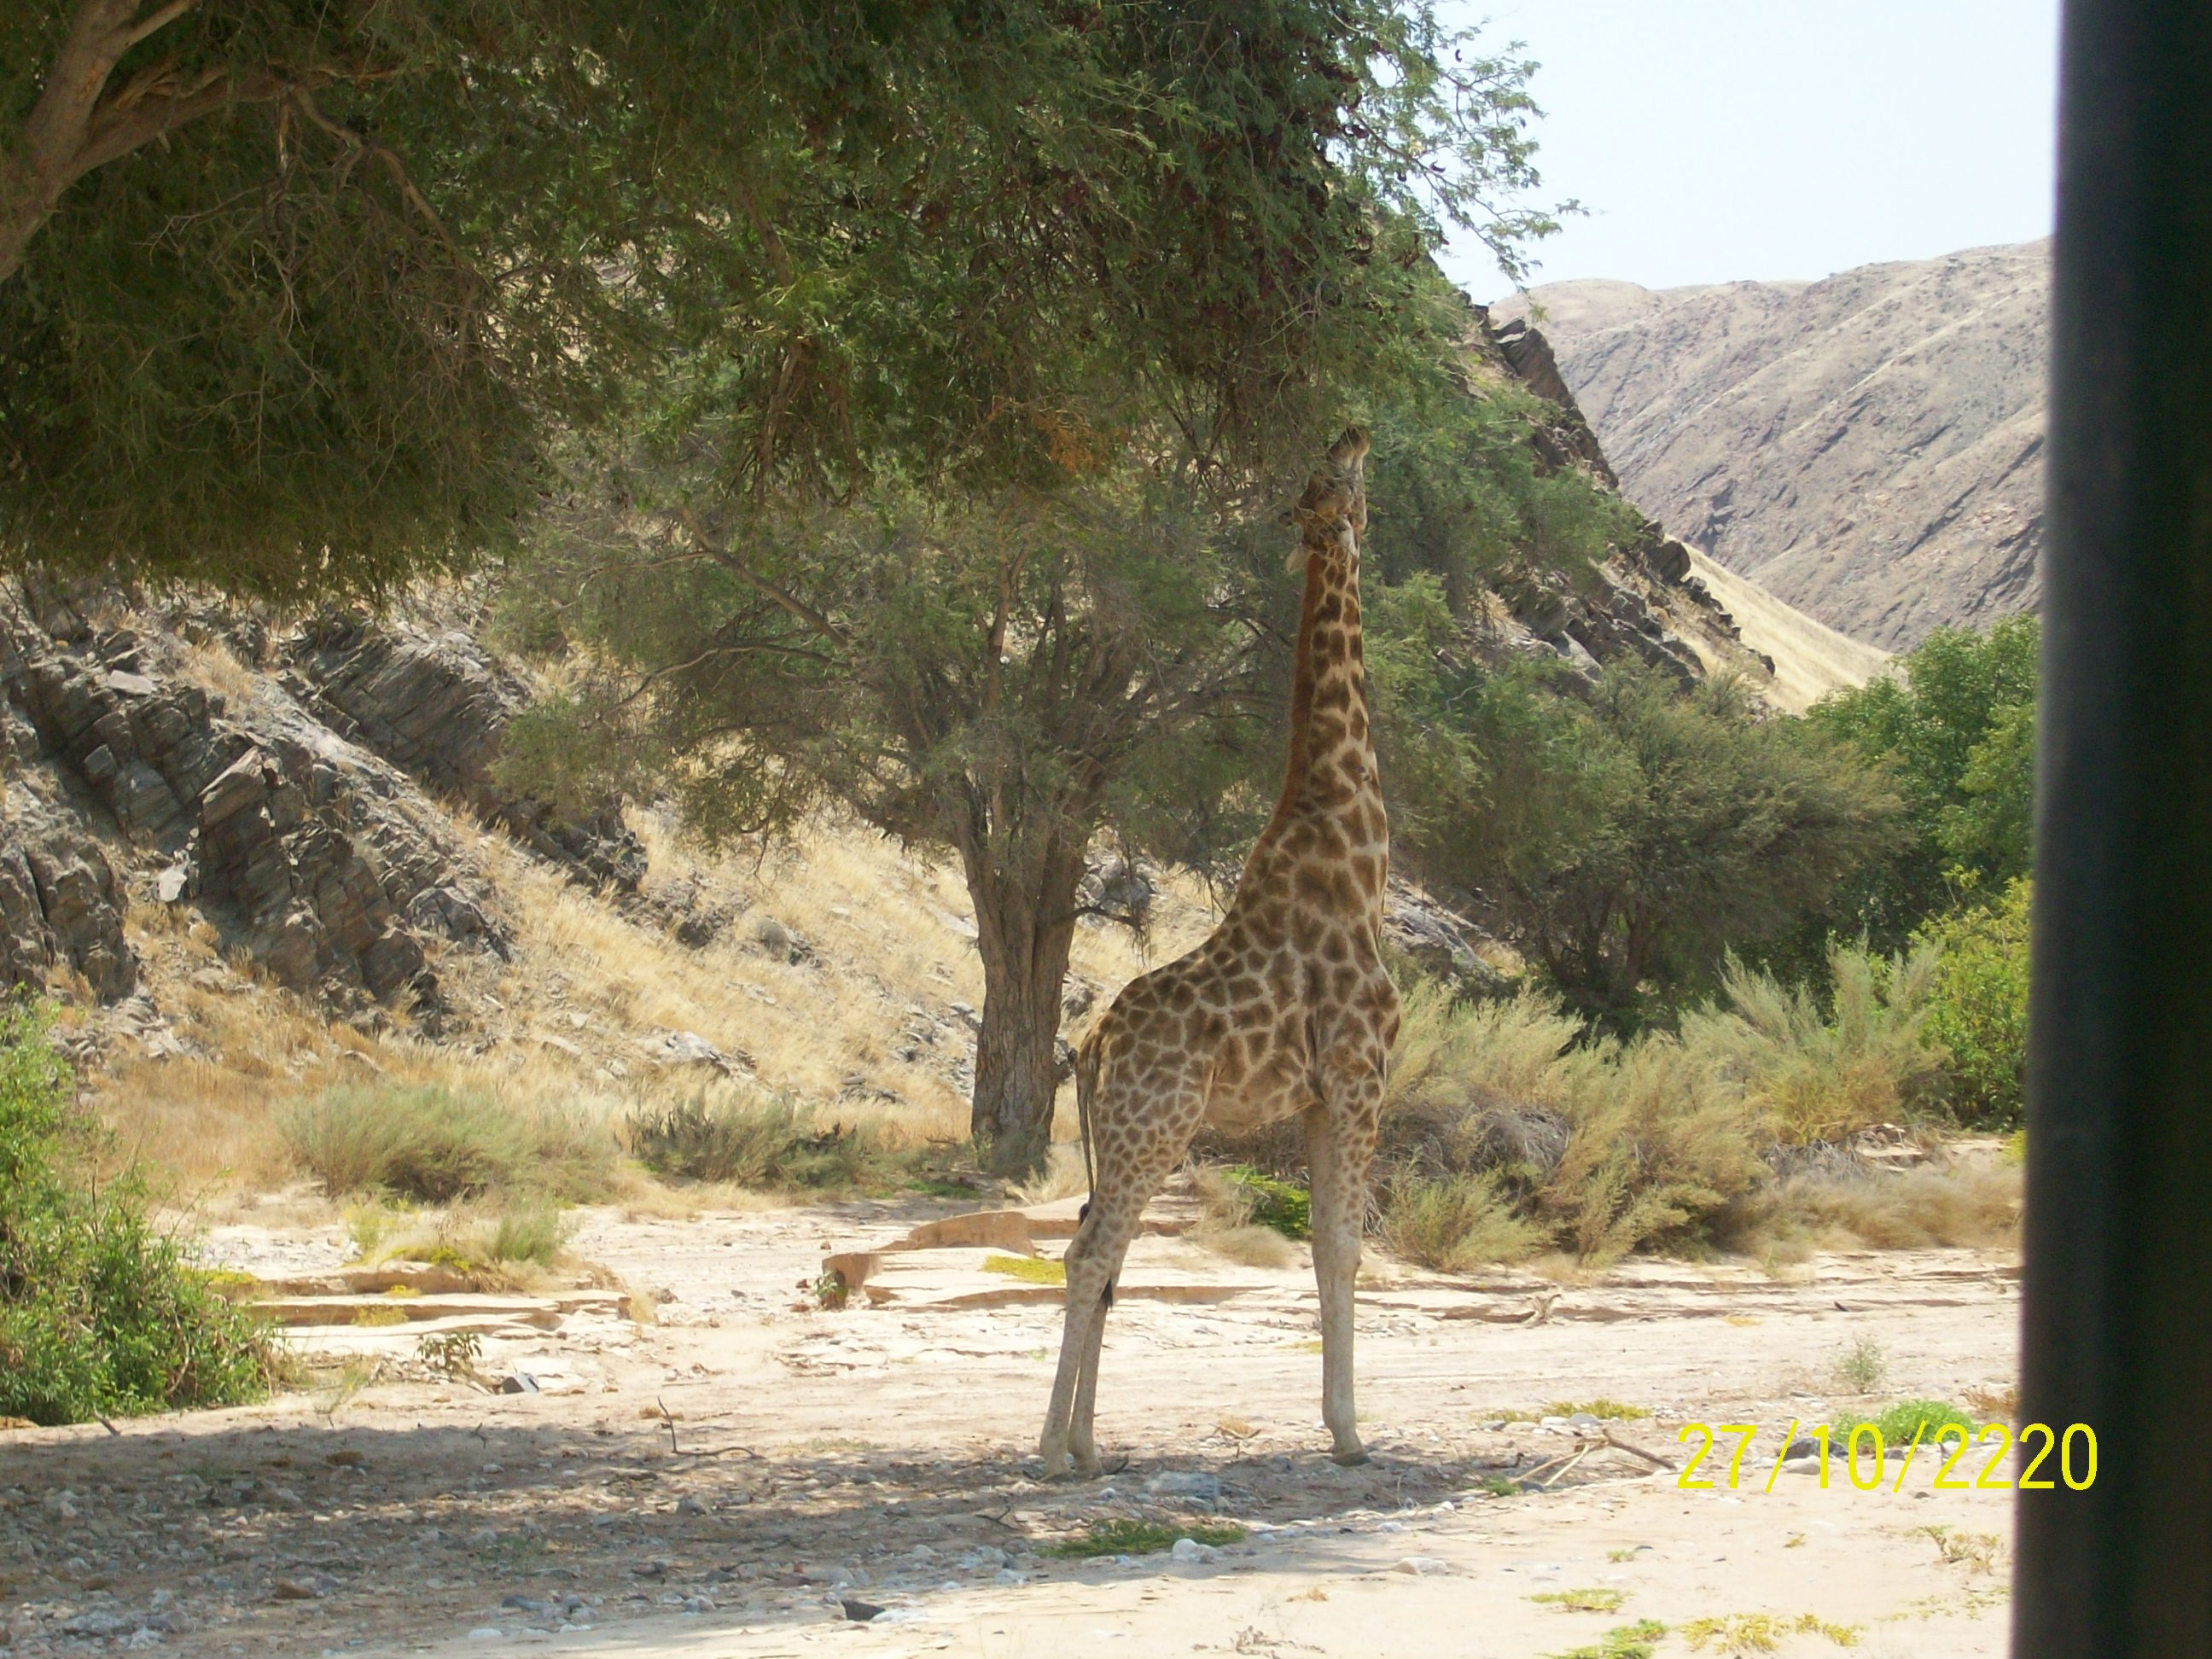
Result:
[
  {"x": 296, "y": 298},
  {"x": 1953, "y": 729}
]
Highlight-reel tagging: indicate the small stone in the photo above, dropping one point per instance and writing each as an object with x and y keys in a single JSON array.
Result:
[
  {"x": 1189, "y": 1549},
  {"x": 100, "y": 1621},
  {"x": 1193, "y": 1484},
  {"x": 860, "y": 1611},
  {"x": 348, "y": 1459},
  {"x": 698, "y": 1604},
  {"x": 487, "y": 1633},
  {"x": 690, "y": 1506},
  {"x": 1420, "y": 1566},
  {"x": 143, "y": 1637},
  {"x": 1583, "y": 1419},
  {"x": 298, "y": 1589}
]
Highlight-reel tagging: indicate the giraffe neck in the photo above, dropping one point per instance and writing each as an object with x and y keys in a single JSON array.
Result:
[{"x": 1332, "y": 770}]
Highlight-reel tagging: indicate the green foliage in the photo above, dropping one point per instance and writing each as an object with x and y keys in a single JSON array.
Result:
[
  {"x": 312, "y": 332},
  {"x": 1621, "y": 1642},
  {"x": 1905, "y": 1421},
  {"x": 1626, "y": 846},
  {"x": 765, "y": 1143},
  {"x": 1594, "y": 1599},
  {"x": 1863, "y": 1366},
  {"x": 430, "y": 1144},
  {"x": 99, "y": 1313},
  {"x": 1739, "y": 1634},
  {"x": 1978, "y": 1006},
  {"x": 1953, "y": 727},
  {"x": 1276, "y": 1204},
  {"x": 1125, "y": 1537}
]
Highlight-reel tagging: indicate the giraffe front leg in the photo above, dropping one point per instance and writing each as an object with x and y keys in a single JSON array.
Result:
[{"x": 1337, "y": 1151}]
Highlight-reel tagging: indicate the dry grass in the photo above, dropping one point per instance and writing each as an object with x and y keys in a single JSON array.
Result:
[{"x": 567, "y": 1022}]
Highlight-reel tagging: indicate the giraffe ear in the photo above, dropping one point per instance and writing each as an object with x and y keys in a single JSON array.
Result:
[{"x": 1295, "y": 564}]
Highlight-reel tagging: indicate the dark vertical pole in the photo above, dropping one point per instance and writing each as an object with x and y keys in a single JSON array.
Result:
[{"x": 2117, "y": 1320}]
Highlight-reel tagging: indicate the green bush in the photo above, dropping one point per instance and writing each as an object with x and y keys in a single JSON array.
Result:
[
  {"x": 1903, "y": 1421},
  {"x": 1977, "y": 1007},
  {"x": 531, "y": 1231},
  {"x": 432, "y": 1145},
  {"x": 99, "y": 1313},
  {"x": 754, "y": 1143},
  {"x": 1276, "y": 1204}
]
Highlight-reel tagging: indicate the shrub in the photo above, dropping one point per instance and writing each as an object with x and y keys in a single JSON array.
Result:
[
  {"x": 531, "y": 1232},
  {"x": 430, "y": 1144},
  {"x": 1125, "y": 1537},
  {"x": 1977, "y": 1006},
  {"x": 1455, "y": 1222},
  {"x": 1903, "y": 1421},
  {"x": 1277, "y": 1206},
  {"x": 754, "y": 1143},
  {"x": 1824, "y": 1076},
  {"x": 99, "y": 1315}
]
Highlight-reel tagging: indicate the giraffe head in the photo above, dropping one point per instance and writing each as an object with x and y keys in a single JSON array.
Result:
[{"x": 1332, "y": 511}]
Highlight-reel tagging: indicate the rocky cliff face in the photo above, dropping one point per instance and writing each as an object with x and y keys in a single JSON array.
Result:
[
  {"x": 1867, "y": 448},
  {"x": 294, "y": 822}
]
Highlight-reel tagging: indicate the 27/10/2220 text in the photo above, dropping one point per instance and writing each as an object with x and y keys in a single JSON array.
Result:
[{"x": 1961, "y": 1459}]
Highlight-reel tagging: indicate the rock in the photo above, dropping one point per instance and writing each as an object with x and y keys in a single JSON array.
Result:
[
  {"x": 99, "y": 1622},
  {"x": 1193, "y": 1486},
  {"x": 1420, "y": 1566},
  {"x": 859, "y": 1612},
  {"x": 1189, "y": 1549},
  {"x": 487, "y": 1633},
  {"x": 312, "y": 1587},
  {"x": 1669, "y": 560},
  {"x": 438, "y": 708}
]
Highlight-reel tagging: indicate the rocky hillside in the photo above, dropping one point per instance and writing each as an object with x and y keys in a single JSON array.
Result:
[{"x": 1869, "y": 448}]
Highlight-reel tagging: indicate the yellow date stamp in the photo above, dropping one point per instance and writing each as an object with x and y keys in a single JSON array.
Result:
[{"x": 1961, "y": 1459}]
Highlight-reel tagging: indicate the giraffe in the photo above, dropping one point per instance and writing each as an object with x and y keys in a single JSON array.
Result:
[{"x": 1286, "y": 1009}]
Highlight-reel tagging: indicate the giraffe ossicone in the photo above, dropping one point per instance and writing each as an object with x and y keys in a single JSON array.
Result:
[{"x": 1285, "y": 1010}]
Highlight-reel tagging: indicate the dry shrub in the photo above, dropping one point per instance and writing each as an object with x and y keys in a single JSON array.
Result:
[
  {"x": 1225, "y": 1224},
  {"x": 1658, "y": 1142},
  {"x": 750, "y": 1141},
  {"x": 432, "y": 1144},
  {"x": 1503, "y": 1132},
  {"x": 1937, "y": 1205},
  {"x": 1453, "y": 1223},
  {"x": 1825, "y": 1075}
]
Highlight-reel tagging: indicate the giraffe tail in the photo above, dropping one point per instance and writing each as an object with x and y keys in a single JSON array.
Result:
[{"x": 1087, "y": 1084}]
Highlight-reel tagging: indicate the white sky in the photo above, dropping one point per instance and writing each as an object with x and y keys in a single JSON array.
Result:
[{"x": 1720, "y": 139}]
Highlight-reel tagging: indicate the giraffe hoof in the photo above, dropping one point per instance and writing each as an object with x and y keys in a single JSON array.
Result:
[{"x": 1350, "y": 1459}]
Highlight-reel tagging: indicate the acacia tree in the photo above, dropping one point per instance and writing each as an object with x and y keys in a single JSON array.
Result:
[{"x": 291, "y": 297}]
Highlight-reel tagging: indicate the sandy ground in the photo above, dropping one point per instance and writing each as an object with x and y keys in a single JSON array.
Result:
[{"x": 806, "y": 1458}]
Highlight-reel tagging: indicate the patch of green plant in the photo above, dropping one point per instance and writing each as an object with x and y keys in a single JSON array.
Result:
[
  {"x": 1621, "y": 1642},
  {"x": 1122, "y": 1537},
  {"x": 1862, "y": 1366},
  {"x": 531, "y": 1231},
  {"x": 1277, "y": 1205},
  {"x": 1030, "y": 1269},
  {"x": 429, "y": 1143},
  {"x": 762, "y": 1143},
  {"x": 1977, "y": 1008},
  {"x": 1594, "y": 1599},
  {"x": 1738, "y": 1634},
  {"x": 1908, "y": 1418},
  {"x": 455, "y": 1353},
  {"x": 99, "y": 1313},
  {"x": 1500, "y": 1486},
  {"x": 374, "y": 1316},
  {"x": 830, "y": 1291}
]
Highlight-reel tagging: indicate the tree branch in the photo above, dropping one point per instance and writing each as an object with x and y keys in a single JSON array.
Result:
[{"x": 816, "y": 620}]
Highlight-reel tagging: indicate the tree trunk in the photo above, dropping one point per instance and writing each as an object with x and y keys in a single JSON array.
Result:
[{"x": 1025, "y": 922}]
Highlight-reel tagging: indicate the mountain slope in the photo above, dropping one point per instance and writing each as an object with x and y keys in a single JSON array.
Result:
[{"x": 1868, "y": 447}]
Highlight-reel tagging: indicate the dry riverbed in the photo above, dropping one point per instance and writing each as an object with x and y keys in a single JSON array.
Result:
[{"x": 746, "y": 1473}]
